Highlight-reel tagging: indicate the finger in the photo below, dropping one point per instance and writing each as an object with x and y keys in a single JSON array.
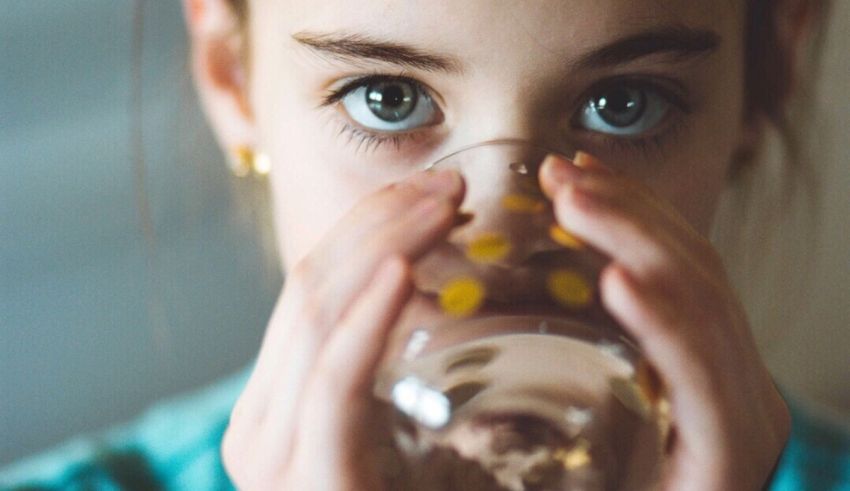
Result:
[
  {"x": 556, "y": 170},
  {"x": 720, "y": 395},
  {"x": 421, "y": 214},
  {"x": 317, "y": 312},
  {"x": 624, "y": 221},
  {"x": 389, "y": 202},
  {"x": 411, "y": 235},
  {"x": 697, "y": 359},
  {"x": 330, "y": 258},
  {"x": 313, "y": 312},
  {"x": 590, "y": 163},
  {"x": 338, "y": 412},
  {"x": 591, "y": 173},
  {"x": 627, "y": 234},
  {"x": 667, "y": 335}
]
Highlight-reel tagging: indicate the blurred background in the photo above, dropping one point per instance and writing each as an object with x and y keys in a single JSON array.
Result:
[
  {"x": 96, "y": 319},
  {"x": 122, "y": 283}
]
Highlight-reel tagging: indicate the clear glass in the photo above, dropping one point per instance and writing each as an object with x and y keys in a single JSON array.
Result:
[{"x": 518, "y": 380}]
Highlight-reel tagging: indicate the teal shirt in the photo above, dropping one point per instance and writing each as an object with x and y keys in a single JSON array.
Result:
[{"x": 175, "y": 446}]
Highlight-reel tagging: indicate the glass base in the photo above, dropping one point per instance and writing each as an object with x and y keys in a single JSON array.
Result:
[{"x": 525, "y": 403}]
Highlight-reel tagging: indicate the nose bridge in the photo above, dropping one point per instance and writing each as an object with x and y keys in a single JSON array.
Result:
[
  {"x": 511, "y": 215},
  {"x": 510, "y": 132},
  {"x": 504, "y": 167},
  {"x": 516, "y": 113}
]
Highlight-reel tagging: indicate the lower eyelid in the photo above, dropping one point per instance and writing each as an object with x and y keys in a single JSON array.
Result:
[
  {"x": 650, "y": 146},
  {"x": 367, "y": 140}
]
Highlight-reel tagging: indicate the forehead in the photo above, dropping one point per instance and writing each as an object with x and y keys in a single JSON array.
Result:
[{"x": 490, "y": 26}]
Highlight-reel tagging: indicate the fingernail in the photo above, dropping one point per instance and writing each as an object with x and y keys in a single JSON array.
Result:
[
  {"x": 444, "y": 181},
  {"x": 587, "y": 161},
  {"x": 559, "y": 169},
  {"x": 462, "y": 218}
]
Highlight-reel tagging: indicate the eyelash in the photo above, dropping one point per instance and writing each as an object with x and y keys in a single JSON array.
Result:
[
  {"x": 646, "y": 144},
  {"x": 371, "y": 141}
]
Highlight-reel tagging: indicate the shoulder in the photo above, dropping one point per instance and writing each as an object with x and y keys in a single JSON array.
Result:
[
  {"x": 817, "y": 455},
  {"x": 173, "y": 445}
]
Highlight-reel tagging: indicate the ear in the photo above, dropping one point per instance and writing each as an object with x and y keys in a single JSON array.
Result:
[
  {"x": 797, "y": 23},
  {"x": 218, "y": 48},
  {"x": 786, "y": 30}
]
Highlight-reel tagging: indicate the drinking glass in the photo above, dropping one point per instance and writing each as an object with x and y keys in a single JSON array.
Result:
[{"x": 510, "y": 374}]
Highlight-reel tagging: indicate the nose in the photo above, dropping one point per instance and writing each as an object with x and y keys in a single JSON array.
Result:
[{"x": 512, "y": 219}]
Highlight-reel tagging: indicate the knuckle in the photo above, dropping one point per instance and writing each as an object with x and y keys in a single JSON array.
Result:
[
  {"x": 570, "y": 198},
  {"x": 239, "y": 411},
  {"x": 310, "y": 296},
  {"x": 597, "y": 199},
  {"x": 232, "y": 453},
  {"x": 330, "y": 385},
  {"x": 404, "y": 191},
  {"x": 303, "y": 273},
  {"x": 382, "y": 243},
  {"x": 323, "y": 392},
  {"x": 657, "y": 303},
  {"x": 643, "y": 229},
  {"x": 324, "y": 380},
  {"x": 312, "y": 315},
  {"x": 228, "y": 445},
  {"x": 246, "y": 412},
  {"x": 387, "y": 202},
  {"x": 404, "y": 188}
]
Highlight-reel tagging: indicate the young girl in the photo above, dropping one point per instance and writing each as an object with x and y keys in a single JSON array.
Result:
[{"x": 347, "y": 99}]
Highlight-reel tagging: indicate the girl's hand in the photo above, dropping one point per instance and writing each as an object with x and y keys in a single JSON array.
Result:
[
  {"x": 307, "y": 419},
  {"x": 668, "y": 288}
]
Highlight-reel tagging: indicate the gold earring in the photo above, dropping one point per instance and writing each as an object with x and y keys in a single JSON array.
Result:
[{"x": 246, "y": 160}]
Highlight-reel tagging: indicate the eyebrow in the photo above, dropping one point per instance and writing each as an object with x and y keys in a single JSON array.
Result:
[
  {"x": 355, "y": 47},
  {"x": 679, "y": 42}
]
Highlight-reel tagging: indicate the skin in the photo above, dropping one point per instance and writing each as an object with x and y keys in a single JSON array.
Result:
[{"x": 306, "y": 415}]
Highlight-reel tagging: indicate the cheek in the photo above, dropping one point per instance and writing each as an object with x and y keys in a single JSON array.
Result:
[
  {"x": 310, "y": 195},
  {"x": 313, "y": 184},
  {"x": 695, "y": 192},
  {"x": 695, "y": 171},
  {"x": 311, "y": 189}
]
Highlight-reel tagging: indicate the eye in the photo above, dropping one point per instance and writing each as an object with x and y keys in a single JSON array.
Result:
[
  {"x": 389, "y": 104},
  {"x": 626, "y": 110}
]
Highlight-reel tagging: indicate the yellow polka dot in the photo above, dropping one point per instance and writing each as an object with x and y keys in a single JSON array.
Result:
[
  {"x": 521, "y": 203},
  {"x": 648, "y": 381},
  {"x": 565, "y": 238},
  {"x": 577, "y": 456},
  {"x": 462, "y": 297},
  {"x": 630, "y": 395},
  {"x": 488, "y": 247},
  {"x": 569, "y": 288}
]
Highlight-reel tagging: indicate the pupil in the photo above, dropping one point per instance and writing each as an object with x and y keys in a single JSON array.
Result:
[
  {"x": 619, "y": 101},
  {"x": 393, "y": 96},
  {"x": 391, "y": 101},
  {"x": 621, "y": 107}
]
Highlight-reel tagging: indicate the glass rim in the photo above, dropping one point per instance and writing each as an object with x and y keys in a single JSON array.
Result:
[{"x": 517, "y": 142}]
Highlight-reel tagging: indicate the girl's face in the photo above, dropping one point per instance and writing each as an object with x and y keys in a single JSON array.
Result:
[{"x": 350, "y": 96}]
